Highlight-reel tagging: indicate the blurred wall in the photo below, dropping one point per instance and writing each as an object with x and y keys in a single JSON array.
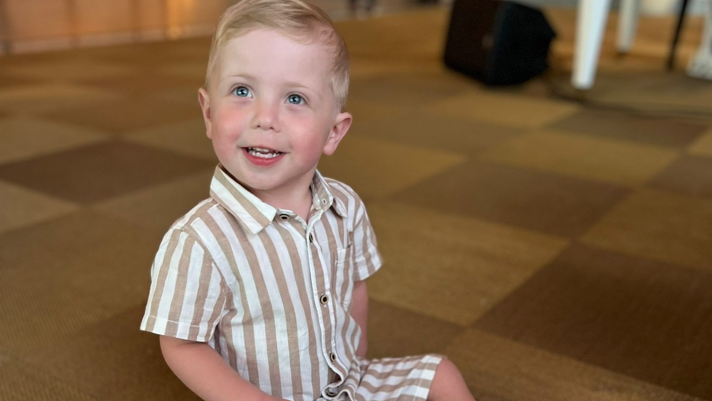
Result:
[{"x": 45, "y": 24}]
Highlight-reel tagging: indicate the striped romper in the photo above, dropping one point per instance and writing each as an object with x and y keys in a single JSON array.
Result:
[{"x": 271, "y": 293}]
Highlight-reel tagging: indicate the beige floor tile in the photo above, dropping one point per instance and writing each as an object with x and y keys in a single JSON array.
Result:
[
  {"x": 22, "y": 207},
  {"x": 190, "y": 70},
  {"x": 703, "y": 145},
  {"x": 497, "y": 108},
  {"x": 503, "y": 370},
  {"x": 159, "y": 206},
  {"x": 658, "y": 225},
  {"x": 23, "y": 138},
  {"x": 70, "y": 69},
  {"x": 68, "y": 273},
  {"x": 113, "y": 360},
  {"x": 605, "y": 160},
  {"x": 465, "y": 266},
  {"x": 52, "y": 97},
  {"x": 363, "y": 110},
  {"x": 390, "y": 167},
  {"x": 184, "y": 137},
  {"x": 144, "y": 112},
  {"x": 430, "y": 132},
  {"x": 22, "y": 382}
]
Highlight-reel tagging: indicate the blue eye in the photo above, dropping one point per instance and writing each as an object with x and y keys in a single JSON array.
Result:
[
  {"x": 241, "y": 91},
  {"x": 295, "y": 99}
]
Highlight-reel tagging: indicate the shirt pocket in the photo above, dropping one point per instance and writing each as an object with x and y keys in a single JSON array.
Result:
[{"x": 342, "y": 276}]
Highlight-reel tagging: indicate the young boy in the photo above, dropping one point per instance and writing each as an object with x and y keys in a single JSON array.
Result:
[{"x": 258, "y": 293}]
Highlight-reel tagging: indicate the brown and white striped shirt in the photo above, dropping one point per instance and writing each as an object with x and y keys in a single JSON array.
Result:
[{"x": 270, "y": 292}]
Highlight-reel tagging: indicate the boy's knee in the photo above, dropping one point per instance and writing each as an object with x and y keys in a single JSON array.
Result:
[
  {"x": 448, "y": 383},
  {"x": 448, "y": 370}
]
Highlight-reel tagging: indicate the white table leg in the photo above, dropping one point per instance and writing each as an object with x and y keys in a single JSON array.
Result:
[
  {"x": 591, "y": 21},
  {"x": 700, "y": 65},
  {"x": 627, "y": 24}
]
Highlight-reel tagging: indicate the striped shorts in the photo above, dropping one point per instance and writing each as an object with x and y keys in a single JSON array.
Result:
[{"x": 391, "y": 379}]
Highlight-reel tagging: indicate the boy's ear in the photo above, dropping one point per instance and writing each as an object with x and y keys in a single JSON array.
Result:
[
  {"x": 341, "y": 126},
  {"x": 204, "y": 100}
]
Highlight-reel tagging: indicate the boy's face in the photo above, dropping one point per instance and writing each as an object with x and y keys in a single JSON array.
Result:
[{"x": 271, "y": 112}]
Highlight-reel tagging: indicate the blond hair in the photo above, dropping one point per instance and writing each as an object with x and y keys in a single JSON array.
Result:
[{"x": 299, "y": 20}]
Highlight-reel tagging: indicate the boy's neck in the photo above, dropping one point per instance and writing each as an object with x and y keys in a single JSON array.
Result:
[{"x": 298, "y": 199}]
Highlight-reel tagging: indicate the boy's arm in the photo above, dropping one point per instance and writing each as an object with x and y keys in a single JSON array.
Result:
[
  {"x": 200, "y": 368},
  {"x": 359, "y": 311}
]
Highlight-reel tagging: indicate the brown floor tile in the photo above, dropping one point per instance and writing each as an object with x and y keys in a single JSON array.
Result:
[
  {"x": 689, "y": 175},
  {"x": 616, "y": 125},
  {"x": 656, "y": 92},
  {"x": 98, "y": 172},
  {"x": 552, "y": 204},
  {"x": 143, "y": 112},
  {"x": 159, "y": 206},
  {"x": 394, "y": 332},
  {"x": 97, "y": 359},
  {"x": 658, "y": 225},
  {"x": 64, "y": 274},
  {"x": 498, "y": 369},
  {"x": 435, "y": 133},
  {"x": 187, "y": 137},
  {"x": 639, "y": 318},
  {"x": 464, "y": 265},
  {"x": 21, "y": 382}
]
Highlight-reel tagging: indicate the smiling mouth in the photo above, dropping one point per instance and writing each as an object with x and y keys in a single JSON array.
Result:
[{"x": 263, "y": 153}]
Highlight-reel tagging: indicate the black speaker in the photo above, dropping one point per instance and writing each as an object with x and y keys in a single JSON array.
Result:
[{"x": 497, "y": 42}]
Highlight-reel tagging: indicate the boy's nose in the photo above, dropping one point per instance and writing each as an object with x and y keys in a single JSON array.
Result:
[{"x": 266, "y": 117}]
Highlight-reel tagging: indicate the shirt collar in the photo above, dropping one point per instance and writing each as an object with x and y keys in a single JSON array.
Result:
[{"x": 253, "y": 214}]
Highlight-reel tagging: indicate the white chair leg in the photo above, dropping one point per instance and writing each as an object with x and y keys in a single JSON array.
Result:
[
  {"x": 590, "y": 23},
  {"x": 627, "y": 24}
]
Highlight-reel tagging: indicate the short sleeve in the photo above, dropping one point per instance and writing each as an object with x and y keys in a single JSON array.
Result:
[
  {"x": 188, "y": 293},
  {"x": 366, "y": 258}
]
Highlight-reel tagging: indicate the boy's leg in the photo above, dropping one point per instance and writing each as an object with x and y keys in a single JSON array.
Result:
[{"x": 448, "y": 384}]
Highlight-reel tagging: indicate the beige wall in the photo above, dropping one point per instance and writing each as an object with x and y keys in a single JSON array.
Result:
[{"x": 27, "y": 25}]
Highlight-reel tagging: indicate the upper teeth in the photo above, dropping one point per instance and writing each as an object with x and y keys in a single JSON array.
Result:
[{"x": 264, "y": 153}]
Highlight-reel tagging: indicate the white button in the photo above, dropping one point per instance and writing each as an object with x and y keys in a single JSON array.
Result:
[
  {"x": 283, "y": 216},
  {"x": 332, "y": 356},
  {"x": 311, "y": 237},
  {"x": 324, "y": 299},
  {"x": 324, "y": 201},
  {"x": 330, "y": 391}
]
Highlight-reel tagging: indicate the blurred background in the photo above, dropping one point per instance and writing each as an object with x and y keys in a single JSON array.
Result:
[{"x": 552, "y": 237}]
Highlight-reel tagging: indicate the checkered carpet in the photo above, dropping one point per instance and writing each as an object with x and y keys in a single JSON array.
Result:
[{"x": 553, "y": 251}]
